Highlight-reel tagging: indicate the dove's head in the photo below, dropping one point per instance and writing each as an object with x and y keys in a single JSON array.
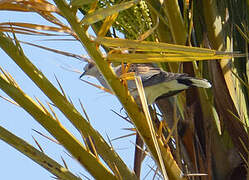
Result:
[{"x": 91, "y": 70}]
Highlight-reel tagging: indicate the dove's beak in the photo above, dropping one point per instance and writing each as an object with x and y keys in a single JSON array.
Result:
[{"x": 82, "y": 74}]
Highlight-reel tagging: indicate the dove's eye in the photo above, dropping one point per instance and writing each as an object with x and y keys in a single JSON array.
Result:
[{"x": 90, "y": 65}]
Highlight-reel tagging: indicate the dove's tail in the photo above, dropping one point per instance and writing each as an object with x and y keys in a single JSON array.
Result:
[{"x": 189, "y": 81}]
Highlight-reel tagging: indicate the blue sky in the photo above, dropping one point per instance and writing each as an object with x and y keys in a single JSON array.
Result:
[{"x": 98, "y": 105}]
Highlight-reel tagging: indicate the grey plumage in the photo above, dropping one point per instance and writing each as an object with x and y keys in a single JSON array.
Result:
[{"x": 157, "y": 83}]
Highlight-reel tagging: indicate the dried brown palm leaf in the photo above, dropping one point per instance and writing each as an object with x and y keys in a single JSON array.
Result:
[
  {"x": 29, "y": 5},
  {"x": 34, "y": 29}
]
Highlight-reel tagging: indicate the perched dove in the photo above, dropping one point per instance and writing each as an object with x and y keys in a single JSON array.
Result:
[{"x": 156, "y": 82}]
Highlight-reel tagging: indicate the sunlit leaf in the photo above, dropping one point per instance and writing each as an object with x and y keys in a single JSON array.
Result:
[
  {"x": 107, "y": 24},
  {"x": 79, "y": 3},
  {"x": 157, "y": 47},
  {"x": 155, "y": 58},
  {"x": 102, "y": 13}
]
